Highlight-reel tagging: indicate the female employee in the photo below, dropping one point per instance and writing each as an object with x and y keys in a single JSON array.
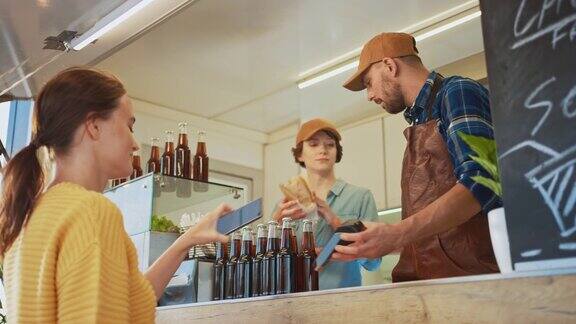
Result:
[
  {"x": 318, "y": 149},
  {"x": 66, "y": 255}
]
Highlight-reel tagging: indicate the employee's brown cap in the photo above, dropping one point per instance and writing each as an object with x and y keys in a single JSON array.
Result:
[
  {"x": 313, "y": 126},
  {"x": 379, "y": 47}
]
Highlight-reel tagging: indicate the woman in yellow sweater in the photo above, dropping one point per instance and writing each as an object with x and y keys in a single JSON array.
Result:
[{"x": 66, "y": 255}]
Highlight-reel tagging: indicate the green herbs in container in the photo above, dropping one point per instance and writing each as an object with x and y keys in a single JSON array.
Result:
[{"x": 163, "y": 224}]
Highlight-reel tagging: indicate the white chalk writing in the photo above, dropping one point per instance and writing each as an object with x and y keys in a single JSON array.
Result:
[
  {"x": 547, "y": 104},
  {"x": 559, "y": 196},
  {"x": 568, "y": 104},
  {"x": 532, "y": 29}
]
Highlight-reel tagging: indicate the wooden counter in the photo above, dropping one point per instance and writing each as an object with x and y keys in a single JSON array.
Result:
[{"x": 530, "y": 297}]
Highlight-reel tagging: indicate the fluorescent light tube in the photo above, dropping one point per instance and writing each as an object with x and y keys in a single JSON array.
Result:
[
  {"x": 389, "y": 211},
  {"x": 448, "y": 26},
  {"x": 351, "y": 65},
  {"x": 113, "y": 19},
  {"x": 328, "y": 74}
]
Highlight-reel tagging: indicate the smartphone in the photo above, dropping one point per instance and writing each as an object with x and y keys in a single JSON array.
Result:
[
  {"x": 350, "y": 226},
  {"x": 327, "y": 250},
  {"x": 240, "y": 217}
]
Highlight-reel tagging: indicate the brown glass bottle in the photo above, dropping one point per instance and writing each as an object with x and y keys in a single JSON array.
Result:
[
  {"x": 244, "y": 266},
  {"x": 308, "y": 257},
  {"x": 230, "y": 272},
  {"x": 237, "y": 242},
  {"x": 285, "y": 281},
  {"x": 257, "y": 260},
  {"x": 168, "y": 155},
  {"x": 297, "y": 259},
  {"x": 153, "y": 164},
  {"x": 254, "y": 240},
  {"x": 115, "y": 182},
  {"x": 269, "y": 262},
  {"x": 200, "y": 165},
  {"x": 278, "y": 237},
  {"x": 136, "y": 167},
  {"x": 293, "y": 239},
  {"x": 183, "y": 167},
  {"x": 168, "y": 168},
  {"x": 219, "y": 272}
]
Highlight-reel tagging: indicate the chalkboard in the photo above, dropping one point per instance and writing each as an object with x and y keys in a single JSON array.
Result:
[{"x": 531, "y": 57}]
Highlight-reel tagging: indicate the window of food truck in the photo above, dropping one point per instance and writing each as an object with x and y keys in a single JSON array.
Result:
[
  {"x": 265, "y": 68},
  {"x": 15, "y": 126},
  {"x": 245, "y": 75},
  {"x": 4, "y": 118}
]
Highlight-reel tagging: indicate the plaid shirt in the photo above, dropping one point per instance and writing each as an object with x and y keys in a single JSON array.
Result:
[{"x": 461, "y": 105}]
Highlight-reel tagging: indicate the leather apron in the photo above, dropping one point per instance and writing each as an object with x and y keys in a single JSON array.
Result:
[{"x": 427, "y": 174}]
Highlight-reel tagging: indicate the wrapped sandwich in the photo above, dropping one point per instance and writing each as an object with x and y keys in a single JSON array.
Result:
[{"x": 297, "y": 189}]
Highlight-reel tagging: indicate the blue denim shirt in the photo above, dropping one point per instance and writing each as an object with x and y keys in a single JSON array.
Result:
[
  {"x": 461, "y": 105},
  {"x": 348, "y": 202}
]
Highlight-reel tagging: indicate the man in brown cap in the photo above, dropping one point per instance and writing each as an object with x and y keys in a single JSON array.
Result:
[{"x": 444, "y": 230}]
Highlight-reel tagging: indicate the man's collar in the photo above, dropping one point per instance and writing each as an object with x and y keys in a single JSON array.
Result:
[{"x": 411, "y": 113}]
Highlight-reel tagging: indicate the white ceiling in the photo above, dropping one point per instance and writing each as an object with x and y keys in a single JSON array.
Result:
[
  {"x": 238, "y": 61},
  {"x": 232, "y": 61},
  {"x": 25, "y": 24},
  {"x": 25, "y": 66}
]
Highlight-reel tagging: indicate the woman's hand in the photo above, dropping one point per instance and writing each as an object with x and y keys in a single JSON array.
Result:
[
  {"x": 288, "y": 208},
  {"x": 326, "y": 212},
  {"x": 160, "y": 273},
  {"x": 205, "y": 230}
]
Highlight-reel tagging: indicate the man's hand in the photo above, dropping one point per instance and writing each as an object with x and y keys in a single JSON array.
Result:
[
  {"x": 453, "y": 208},
  {"x": 377, "y": 240}
]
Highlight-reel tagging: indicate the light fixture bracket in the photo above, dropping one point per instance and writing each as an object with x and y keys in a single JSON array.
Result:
[{"x": 60, "y": 42}]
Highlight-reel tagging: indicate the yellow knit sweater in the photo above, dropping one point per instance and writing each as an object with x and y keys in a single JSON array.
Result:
[{"x": 74, "y": 263}]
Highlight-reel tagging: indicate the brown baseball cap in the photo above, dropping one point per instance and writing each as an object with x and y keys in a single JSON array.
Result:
[
  {"x": 313, "y": 126},
  {"x": 379, "y": 47}
]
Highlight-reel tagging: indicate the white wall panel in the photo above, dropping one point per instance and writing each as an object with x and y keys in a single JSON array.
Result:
[
  {"x": 394, "y": 145},
  {"x": 225, "y": 146},
  {"x": 279, "y": 166},
  {"x": 363, "y": 161}
]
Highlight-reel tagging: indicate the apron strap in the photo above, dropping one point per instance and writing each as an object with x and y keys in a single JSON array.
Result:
[{"x": 438, "y": 80}]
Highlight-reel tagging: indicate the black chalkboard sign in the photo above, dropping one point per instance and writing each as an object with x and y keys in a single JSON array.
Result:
[{"x": 531, "y": 57}]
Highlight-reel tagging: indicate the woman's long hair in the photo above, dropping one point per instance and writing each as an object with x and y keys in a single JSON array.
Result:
[{"x": 64, "y": 103}]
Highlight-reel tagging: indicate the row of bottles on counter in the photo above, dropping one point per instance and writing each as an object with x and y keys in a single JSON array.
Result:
[
  {"x": 175, "y": 161},
  {"x": 269, "y": 265}
]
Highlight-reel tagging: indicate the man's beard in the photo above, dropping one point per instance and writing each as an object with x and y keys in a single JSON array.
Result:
[{"x": 394, "y": 100}]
